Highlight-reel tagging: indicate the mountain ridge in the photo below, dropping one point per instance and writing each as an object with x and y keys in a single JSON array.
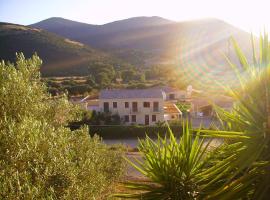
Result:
[
  {"x": 60, "y": 55},
  {"x": 197, "y": 47}
]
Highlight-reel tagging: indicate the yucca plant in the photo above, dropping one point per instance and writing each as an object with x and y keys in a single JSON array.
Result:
[
  {"x": 172, "y": 166},
  {"x": 246, "y": 173}
]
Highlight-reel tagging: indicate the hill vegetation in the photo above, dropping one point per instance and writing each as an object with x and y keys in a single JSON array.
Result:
[
  {"x": 132, "y": 50},
  {"x": 61, "y": 56},
  {"x": 196, "y": 47}
]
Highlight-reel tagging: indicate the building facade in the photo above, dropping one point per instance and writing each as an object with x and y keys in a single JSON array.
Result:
[{"x": 136, "y": 106}]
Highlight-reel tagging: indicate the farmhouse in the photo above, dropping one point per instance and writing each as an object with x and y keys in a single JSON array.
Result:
[{"x": 138, "y": 106}]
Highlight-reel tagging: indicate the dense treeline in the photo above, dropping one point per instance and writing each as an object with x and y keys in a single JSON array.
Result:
[{"x": 101, "y": 75}]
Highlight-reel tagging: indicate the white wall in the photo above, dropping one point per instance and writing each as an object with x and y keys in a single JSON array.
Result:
[{"x": 142, "y": 111}]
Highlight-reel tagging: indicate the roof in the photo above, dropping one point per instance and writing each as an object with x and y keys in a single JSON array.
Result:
[
  {"x": 93, "y": 102},
  {"x": 170, "y": 108},
  {"x": 224, "y": 105},
  {"x": 89, "y": 98},
  {"x": 167, "y": 89},
  {"x": 131, "y": 93}
]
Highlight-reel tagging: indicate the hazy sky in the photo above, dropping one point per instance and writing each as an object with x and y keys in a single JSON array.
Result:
[{"x": 246, "y": 14}]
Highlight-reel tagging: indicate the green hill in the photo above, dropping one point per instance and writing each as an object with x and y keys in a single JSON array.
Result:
[{"x": 61, "y": 56}]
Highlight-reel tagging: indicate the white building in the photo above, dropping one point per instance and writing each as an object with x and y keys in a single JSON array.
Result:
[
  {"x": 173, "y": 94},
  {"x": 135, "y": 106}
]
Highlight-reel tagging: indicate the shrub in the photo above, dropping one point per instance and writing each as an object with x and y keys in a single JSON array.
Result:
[
  {"x": 39, "y": 157},
  {"x": 174, "y": 169},
  {"x": 78, "y": 89},
  {"x": 132, "y": 131}
]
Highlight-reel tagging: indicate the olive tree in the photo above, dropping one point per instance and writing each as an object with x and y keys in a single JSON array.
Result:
[{"x": 39, "y": 157}]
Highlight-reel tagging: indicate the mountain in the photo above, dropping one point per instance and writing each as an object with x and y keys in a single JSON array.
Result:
[
  {"x": 61, "y": 56},
  {"x": 78, "y": 30},
  {"x": 152, "y": 35},
  {"x": 197, "y": 47}
]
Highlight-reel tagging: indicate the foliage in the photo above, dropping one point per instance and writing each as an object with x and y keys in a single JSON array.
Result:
[
  {"x": 39, "y": 157},
  {"x": 62, "y": 57},
  {"x": 133, "y": 85},
  {"x": 247, "y": 169},
  {"x": 99, "y": 118},
  {"x": 78, "y": 89},
  {"x": 173, "y": 168},
  {"x": 132, "y": 131},
  {"x": 184, "y": 107}
]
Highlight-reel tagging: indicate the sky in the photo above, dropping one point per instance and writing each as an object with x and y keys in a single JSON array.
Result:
[{"x": 251, "y": 16}]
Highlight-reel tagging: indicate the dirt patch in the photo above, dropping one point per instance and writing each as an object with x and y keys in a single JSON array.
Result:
[{"x": 74, "y": 42}]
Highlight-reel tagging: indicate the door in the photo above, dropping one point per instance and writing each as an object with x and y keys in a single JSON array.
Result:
[{"x": 146, "y": 120}]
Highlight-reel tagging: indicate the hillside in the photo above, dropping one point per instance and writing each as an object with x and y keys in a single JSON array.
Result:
[
  {"x": 61, "y": 56},
  {"x": 197, "y": 47},
  {"x": 81, "y": 31}
]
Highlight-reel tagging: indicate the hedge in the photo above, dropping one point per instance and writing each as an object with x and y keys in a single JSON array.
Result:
[{"x": 123, "y": 132}]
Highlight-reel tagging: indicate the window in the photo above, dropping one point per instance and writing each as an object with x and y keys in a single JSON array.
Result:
[
  {"x": 146, "y": 104},
  {"x": 106, "y": 106},
  {"x": 126, "y": 105},
  {"x": 171, "y": 96},
  {"x": 126, "y": 118},
  {"x": 134, "y": 107},
  {"x": 154, "y": 118},
  {"x": 156, "y": 107},
  {"x": 114, "y": 104},
  {"x": 133, "y": 118}
]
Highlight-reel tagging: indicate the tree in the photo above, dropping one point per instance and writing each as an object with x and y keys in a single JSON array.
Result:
[
  {"x": 39, "y": 157},
  {"x": 102, "y": 73},
  {"x": 128, "y": 75},
  {"x": 103, "y": 80}
]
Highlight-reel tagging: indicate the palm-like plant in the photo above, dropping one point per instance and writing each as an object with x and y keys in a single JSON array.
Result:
[
  {"x": 248, "y": 174},
  {"x": 171, "y": 166}
]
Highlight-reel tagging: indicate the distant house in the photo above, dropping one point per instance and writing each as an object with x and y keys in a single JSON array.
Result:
[
  {"x": 204, "y": 114},
  {"x": 87, "y": 103},
  {"x": 208, "y": 110},
  {"x": 174, "y": 94},
  {"x": 171, "y": 112},
  {"x": 135, "y": 106}
]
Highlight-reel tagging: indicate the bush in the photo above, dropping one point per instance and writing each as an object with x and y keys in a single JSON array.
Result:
[
  {"x": 39, "y": 157},
  {"x": 53, "y": 91},
  {"x": 78, "y": 89},
  {"x": 133, "y": 131},
  {"x": 133, "y": 85},
  {"x": 174, "y": 168}
]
